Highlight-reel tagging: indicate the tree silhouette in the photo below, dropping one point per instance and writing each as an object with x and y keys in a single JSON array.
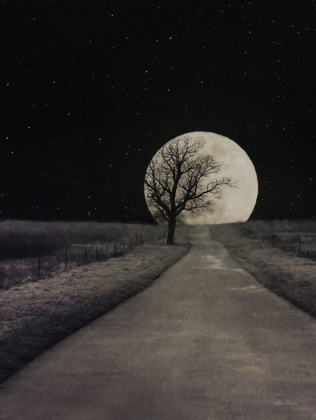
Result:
[{"x": 175, "y": 182}]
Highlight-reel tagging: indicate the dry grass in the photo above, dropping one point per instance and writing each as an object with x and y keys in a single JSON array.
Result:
[
  {"x": 284, "y": 273},
  {"x": 36, "y": 315},
  {"x": 281, "y": 225},
  {"x": 24, "y": 245},
  {"x": 297, "y": 236},
  {"x": 24, "y": 238}
]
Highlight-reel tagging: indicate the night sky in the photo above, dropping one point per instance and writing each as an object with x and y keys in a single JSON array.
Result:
[{"x": 92, "y": 89}]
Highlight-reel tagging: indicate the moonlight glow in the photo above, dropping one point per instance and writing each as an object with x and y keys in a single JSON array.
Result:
[{"x": 236, "y": 204}]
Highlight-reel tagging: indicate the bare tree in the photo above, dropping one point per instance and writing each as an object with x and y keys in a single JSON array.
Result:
[{"x": 175, "y": 182}]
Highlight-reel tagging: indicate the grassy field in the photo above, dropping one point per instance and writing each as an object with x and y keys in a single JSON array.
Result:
[
  {"x": 24, "y": 238},
  {"x": 285, "y": 272},
  {"x": 36, "y": 315},
  {"x": 32, "y": 251},
  {"x": 297, "y": 236}
]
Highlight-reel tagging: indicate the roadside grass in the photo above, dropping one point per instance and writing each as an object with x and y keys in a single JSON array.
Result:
[
  {"x": 32, "y": 251},
  {"x": 284, "y": 273},
  {"x": 36, "y": 315}
]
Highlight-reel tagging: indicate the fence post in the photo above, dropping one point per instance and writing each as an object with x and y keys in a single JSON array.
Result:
[
  {"x": 96, "y": 253},
  {"x": 85, "y": 256},
  {"x": 115, "y": 249},
  {"x": 106, "y": 252},
  {"x": 39, "y": 265},
  {"x": 299, "y": 243},
  {"x": 66, "y": 259}
]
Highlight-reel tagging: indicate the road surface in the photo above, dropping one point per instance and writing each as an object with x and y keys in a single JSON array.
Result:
[{"x": 205, "y": 341}]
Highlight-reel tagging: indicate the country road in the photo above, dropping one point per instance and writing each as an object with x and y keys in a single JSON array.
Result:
[{"x": 205, "y": 341}]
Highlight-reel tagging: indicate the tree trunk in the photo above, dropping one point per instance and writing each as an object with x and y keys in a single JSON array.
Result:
[{"x": 171, "y": 231}]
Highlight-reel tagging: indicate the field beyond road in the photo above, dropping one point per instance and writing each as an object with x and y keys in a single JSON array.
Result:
[
  {"x": 36, "y": 315},
  {"x": 34, "y": 250},
  {"x": 206, "y": 341}
]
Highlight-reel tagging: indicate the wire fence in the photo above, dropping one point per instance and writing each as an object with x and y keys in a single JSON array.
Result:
[
  {"x": 302, "y": 244},
  {"x": 77, "y": 255},
  {"x": 19, "y": 271}
]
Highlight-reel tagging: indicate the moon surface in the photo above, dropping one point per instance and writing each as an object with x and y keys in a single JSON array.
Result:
[{"x": 236, "y": 204}]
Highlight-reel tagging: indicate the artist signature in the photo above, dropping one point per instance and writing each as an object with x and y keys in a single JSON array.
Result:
[{"x": 287, "y": 402}]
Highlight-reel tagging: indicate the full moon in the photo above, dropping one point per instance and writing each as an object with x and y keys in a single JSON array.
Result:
[{"x": 236, "y": 204}]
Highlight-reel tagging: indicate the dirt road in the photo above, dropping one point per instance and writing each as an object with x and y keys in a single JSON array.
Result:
[{"x": 205, "y": 341}]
